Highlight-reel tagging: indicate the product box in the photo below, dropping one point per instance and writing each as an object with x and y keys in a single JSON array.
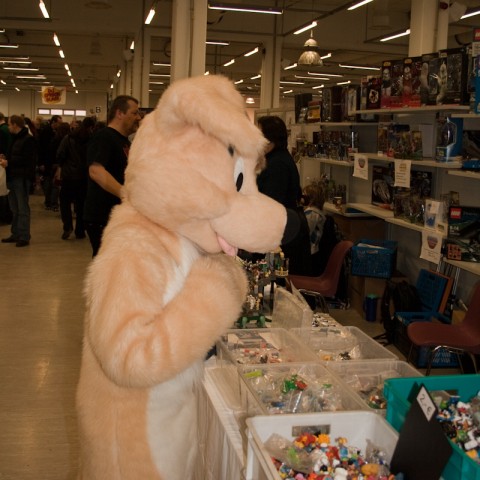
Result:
[
  {"x": 425, "y": 79},
  {"x": 392, "y": 77},
  {"x": 449, "y": 139},
  {"x": 437, "y": 85},
  {"x": 314, "y": 111},
  {"x": 457, "y": 76},
  {"x": 374, "y": 86},
  {"x": 352, "y": 100},
  {"x": 463, "y": 242},
  {"x": 412, "y": 68},
  {"x": 332, "y": 104},
  {"x": 397, "y": 391},
  {"x": 363, "y": 429},
  {"x": 382, "y": 186}
]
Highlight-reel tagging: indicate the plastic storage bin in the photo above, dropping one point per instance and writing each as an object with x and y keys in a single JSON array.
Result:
[
  {"x": 272, "y": 390},
  {"x": 357, "y": 427},
  {"x": 397, "y": 391},
  {"x": 367, "y": 378},
  {"x": 342, "y": 344},
  {"x": 290, "y": 310},
  {"x": 374, "y": 258},
  {"x": 260, "y": 346}
]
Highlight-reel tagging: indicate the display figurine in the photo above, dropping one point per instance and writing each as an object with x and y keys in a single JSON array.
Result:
[{"x": 164, "y": 285}]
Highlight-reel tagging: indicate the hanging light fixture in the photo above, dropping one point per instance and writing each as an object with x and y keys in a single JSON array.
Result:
[{"x": 310, "y": 54}]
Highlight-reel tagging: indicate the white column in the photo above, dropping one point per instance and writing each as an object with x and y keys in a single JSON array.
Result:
[
  {"x": 271, "y": 64},
  {"x": 137, "y": 66},
  {"x": 180, "y": 40},
  {"x": 423, "y": 23},
  {"x": 199, "y": 37},
  {"x": 442, "y": 28}
]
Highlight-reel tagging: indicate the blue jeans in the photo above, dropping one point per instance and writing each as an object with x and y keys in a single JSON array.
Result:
[{"x": 19, "y": 191}]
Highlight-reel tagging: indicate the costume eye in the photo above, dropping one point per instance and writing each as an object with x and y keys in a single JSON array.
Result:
[
  {"x": 231, "y": 150},
  {"x": 238, "y": 173}
]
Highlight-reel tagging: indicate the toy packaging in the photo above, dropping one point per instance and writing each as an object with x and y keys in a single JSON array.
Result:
[
  {"x": 463, "y": 242},
  {"x": 392, "y": 84},
  {"x": 332, "y": 104},
  {"x": 437, "y": 80},
  {"x": 457, "y": 73},
  {"x": 412, "y": 68},
  {"x": 374, "y": 86},
  {"x": 382, "y": 186},
  {"x": 449, "y": 139}
]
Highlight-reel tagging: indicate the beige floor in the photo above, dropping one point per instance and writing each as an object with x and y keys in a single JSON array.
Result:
[{"x": 41, "y": 311}]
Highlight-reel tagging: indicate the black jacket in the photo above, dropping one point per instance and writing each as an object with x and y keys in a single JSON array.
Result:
[{"x": 22, "y": 156}]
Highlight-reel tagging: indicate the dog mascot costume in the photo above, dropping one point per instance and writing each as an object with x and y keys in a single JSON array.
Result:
[{"x": 165, "y": 284}]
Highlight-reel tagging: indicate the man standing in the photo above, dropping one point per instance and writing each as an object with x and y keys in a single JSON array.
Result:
[
  {"x": 107, "y": 156},
  {"x": 20, "y": 166},
  {"x": 5, "y": 137}
]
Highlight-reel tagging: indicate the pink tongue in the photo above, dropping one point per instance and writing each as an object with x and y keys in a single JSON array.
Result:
[{"x": 226, "y": 247}]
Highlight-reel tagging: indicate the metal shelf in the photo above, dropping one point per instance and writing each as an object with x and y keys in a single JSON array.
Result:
[{"x": 424, "y": 109}]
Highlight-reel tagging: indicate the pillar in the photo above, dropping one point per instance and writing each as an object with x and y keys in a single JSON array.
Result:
[
  {"x": 199, "y": 37},
  {"x": 423, "y": 23},
  {"x": 180, "y": 40}
]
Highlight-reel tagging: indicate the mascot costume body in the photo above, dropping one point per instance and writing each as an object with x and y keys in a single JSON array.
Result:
[{"x": 162, "y": 290}]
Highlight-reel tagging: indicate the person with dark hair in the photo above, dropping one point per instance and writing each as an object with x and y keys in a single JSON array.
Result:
[
  {"x": 5, "y": 136},
  {"x": 72, "y": 173},
  {"x": 280, "y": 180},
  {"x": 20, "y": 165},
  {"x": 61, "y": 131},
  {"x": 107, "y": 155}
]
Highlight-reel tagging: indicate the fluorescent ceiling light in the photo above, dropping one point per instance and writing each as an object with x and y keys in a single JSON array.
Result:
[
  {"x": 162, "y": 64},
  {"x": 318, "y": 86},
  {"x": 62, "y": 55},
  {"x": 360, "y": 67},
  {"x": 56, "y": 41},
  {"x": 328, "y": 55},
  {"x": 250, "y": 100},
  {"x": 207, "y": 72},
  {"x": 255, "y": 77},
  {"x": 231, "y": 7},
  {"x": 132, "y": 45},
  {"x": 251, "y": 52},
  {"x": 119, "y": 73},
  {"x": 391, "y": 37},
  {"x": 231, "y": 62},
  {"x": 312, "y": 78},
  {"x": 76, "y": 91},
  {"x": 217, "y": 42},
  {"x": 8, "y": 45},
  {"x": 32, "y": 77},
  {"x": 291, "y": 66},
  {"x": 111, "y": 85},
  {"x": 151, "y": 14},
  {"x": 307, "y": 27},
  {"x": 157, "y": 83},
  {"x": 344, "y": 83},
  {"x": 291, "y": 83},
  {"x": 288, "y": 91},
  {"x": 471, "y": 14},
  {"x": 359, "y": 4},
  {"x": 22, "y": 62},
  {"x": 22, "y": 69},
  {"x": 44, "y": 10},
  {"x": 69, "y": 73},
  {"x": 238, "y": 81},
  {"x": 325, "y": 74},
  {"x": 159, "y": 74},
  {"x": 17, "y": 89},
  {"x": 3, "y": 82}
]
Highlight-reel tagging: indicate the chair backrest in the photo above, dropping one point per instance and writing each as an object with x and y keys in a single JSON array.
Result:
[
  {"x": 335, "y": 264},
  {"x": 472, "y": 317}
]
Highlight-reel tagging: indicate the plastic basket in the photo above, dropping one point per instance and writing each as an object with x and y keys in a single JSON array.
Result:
[
  {"x": 374, "y": 258},
  {"x": 263, "y": 390},
  {"x": 367, "y": 378},
  {"x": 261, "y": 345},
  {"x": 345, "y": 344},
  {"x": 358, "y": 427},
  {"x": 397, "y": 391}
]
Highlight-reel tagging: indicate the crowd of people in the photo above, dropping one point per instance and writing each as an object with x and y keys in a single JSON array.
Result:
[{"x": 79, "y": 166}]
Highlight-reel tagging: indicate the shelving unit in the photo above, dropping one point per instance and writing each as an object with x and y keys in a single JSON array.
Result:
[
  {"x": 465, "y": 174},
  {"x": 423, "y": 109}
]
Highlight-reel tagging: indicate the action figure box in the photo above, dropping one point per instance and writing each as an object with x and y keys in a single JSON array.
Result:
[
  {"x": 412, "y": 68},
  {"x": 405, "y": 143},
  {"x": 425, "y": 79},
  {"x": 457, "y": 76},
  {"x": 332, "y": 104},
  {"x": 391, "y": 91},
  {"x": 437, "y": 80},
  {"x": 449, "y": 139},
  {"x": 374, "y": 86},
  {"x": 352, "y": 102},
  {"x": 382, "y": 186},
  {"x": 314, "y": 111},
  {"x": 463, "y": 242}
]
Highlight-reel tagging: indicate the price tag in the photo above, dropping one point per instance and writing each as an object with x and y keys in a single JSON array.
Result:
[{"x": 426, "y": 403}]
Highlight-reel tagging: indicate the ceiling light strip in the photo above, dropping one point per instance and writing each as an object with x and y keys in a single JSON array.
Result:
[
  {"x": 360, "y": 67},
  {"x": 307, "y": 27},
  {"x": 44, "y": 10},
  {"x": 359, "y": 4},
  {"x": 244, "y": 8},
  {"x": 397, "y": 35},
  {"x": 251, "y": 52}
]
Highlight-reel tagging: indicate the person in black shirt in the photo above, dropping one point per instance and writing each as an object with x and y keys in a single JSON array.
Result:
[
  {"x": 107, "y": 155},
  {"x": 280, "y": 180}
]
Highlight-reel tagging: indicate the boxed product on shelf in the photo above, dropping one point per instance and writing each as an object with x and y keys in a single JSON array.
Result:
[
  {"x": 332, "y": 104},
  {"x": 294, "y": 388},
  {"x": 449, "y": 139},
  {"x": 342, "y": 344},
  {"x": 314, "y": 111},
  {"x": 392, "y": 77},
  {"x": 437, "y": 80},
  {"x": 367, "y": 378},
  {"x": 463, "y": 242},
  {"x": 456, "y": 91},
  {"x": 252, "y": 346},
  {"x": 397, "y": 392},
  {"x": 362, "y": 429},
  {"x": 374, "y": 258},
  {"x": 412, "y": 68},
  {"x": 352, "y": 101},
  {"x": 382, "y": 186},
  {"x": 374, "y": 87}
]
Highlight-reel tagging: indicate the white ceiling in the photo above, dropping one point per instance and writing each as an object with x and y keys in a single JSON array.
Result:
[{"x": 94, "y": 39}]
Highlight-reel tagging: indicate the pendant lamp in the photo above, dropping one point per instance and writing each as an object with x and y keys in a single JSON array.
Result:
[{"x": 310, "y": 55}]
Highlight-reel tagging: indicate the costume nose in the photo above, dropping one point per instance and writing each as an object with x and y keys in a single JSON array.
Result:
[{"x": 292, "y": 227}]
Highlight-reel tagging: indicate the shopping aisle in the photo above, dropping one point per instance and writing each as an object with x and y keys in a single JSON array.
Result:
[{"x": 41, "y": 321}]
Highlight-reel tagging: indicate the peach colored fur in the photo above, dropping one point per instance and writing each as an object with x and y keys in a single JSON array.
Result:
[{"x": 160, "y": 292}]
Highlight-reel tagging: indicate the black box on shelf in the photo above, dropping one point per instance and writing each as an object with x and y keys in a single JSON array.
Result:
[
  {"x": 374, "y": 86},
  {"x": 437, "y": 80},
  {"x": 412, "y": 68},
  {"x": 392, "y": 78},
  {"x": 463, "y": 242},
  {"x": 301, "y": 101},
  {"x": 457, "y": 76},
  {"x": 382, "y": 186},
  {"x": 332, "y": 104}
]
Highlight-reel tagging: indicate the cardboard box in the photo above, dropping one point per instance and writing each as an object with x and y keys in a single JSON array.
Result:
[
  {"x": 412, "y": 68},
  {"x": 382, "y": 186}
]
